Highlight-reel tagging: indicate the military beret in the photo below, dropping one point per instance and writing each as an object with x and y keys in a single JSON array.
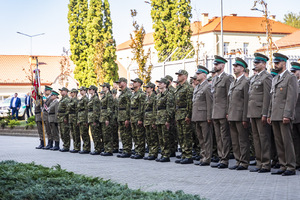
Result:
[
  {"x": 260, "y": 57},
  {"x": 48, "y": 88},
  {"x": 114, "y": 91},
  {"x": 137, "y": 80},
  {"x": 151, "y": 85},
  {"x": 278, "y": 57},
  {"x": 219, "y": 59},
  {"x": 64, "y": 89},
  {"x": 105, "y": 85},
  {"x": 295, "y": 66},
  {"x": 170, "y": 78},
  {"x": 163, "y": 80},
  {"x": 82, "y": 88},
  {"x": 54, "y": 93},
  {"x": 74, "y": 90},
  {"x": 182, "y": 72},
  {"x": 202, "y": 69},
  {"x": 92, "y": 87},
  {"x": 241, "y": 62},
  {"x": 122, "y": 79}
]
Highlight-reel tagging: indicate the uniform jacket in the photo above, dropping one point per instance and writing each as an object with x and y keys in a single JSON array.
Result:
[
  {"x": 284, "y": 97},
  {"x": 137, "y": 106},
  {"x": 107, "y": 106},
  {"x": 94, "y": 109},
  {"x": 183, "y": 101},
  {"x": 164, "y": 107},
  {"x": 37, "y": 111},
  {"x": 297, "y": 109},
  {"x": 149, "y": 110},
  {"x": 124, "y": 105},
  {"x": 202, "y": 102},
  {"x": 220, "y": 89},
  {"x": 47, "y": 104},
  {"x": 82, "y": 110},
  {"x": 62, "y": 109},
  {"x": 259, "y": 95},
  {"x": 73, "y": 110},
  {"x": 238, "y": 100},
  {"x": 53, "y": 111}
]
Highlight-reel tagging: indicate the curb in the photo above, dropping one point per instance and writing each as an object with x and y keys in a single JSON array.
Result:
[{"x": 18, "y": 131}]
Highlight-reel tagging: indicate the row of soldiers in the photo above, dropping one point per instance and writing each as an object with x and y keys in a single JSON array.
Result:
[{"x": 224, "y": 109}]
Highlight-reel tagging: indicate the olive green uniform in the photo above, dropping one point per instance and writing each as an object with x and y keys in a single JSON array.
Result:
[
  {"x": 74, "y": 128},
  {"x": 93, "y": 120},
  {"x": 82, "y": 120},
  {"x": 63, "y": 119}
]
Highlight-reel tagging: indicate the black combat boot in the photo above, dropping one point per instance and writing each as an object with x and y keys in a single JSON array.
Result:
[
  {"x": 49, "y": 145},
  {"x": 56, "y": 147},
  {"x": 41, "y": 145}
]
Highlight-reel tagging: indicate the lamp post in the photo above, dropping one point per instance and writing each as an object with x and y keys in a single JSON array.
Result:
[
  {"x": 222, "y": 41},
  {"x": 31, "y": 36}
]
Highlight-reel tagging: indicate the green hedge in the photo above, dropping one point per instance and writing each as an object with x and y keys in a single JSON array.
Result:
[{"x": 30, "y": 181}]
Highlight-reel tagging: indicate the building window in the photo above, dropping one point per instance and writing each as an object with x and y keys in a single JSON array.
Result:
[
  {"x": 226, "y": 45},
  {"x": 245, "y": 48}
]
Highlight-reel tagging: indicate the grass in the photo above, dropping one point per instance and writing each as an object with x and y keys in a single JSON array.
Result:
[{"x": 30, "y": 181}]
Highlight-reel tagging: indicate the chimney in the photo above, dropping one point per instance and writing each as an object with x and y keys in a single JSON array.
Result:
[
  {"x": 272, "y": 17},
  {"x": 233, "y": 14},
  {"x": 204, "y": 19}
]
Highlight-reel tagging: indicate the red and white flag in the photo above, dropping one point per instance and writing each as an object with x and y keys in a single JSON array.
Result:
[{"x": 36, "y": 84}]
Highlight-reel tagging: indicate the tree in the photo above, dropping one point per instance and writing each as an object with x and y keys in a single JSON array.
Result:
[
  {"x": 292, "y": 19},
  {"x": 65, "y": 70},
  {"x": 144, "y": 71},
  {"x": 171, "y": 23}
]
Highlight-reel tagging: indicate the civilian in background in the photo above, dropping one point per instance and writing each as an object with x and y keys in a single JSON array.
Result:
[
  {"x": 15, "y": 104},
  {"x": 28, "y": 103}
]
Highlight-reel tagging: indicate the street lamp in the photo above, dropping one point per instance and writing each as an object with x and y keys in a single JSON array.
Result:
[
  {"x": 31, "y": 36},
  {"x": 222, "y": 41}
]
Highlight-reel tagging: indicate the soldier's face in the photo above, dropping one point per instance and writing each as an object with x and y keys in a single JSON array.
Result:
[
  {"x": 259, "y": 66},
  {"x": 200, "y": 77},
  {"x": 136, "y": 84},
  {"x": 53, "y": 97},
  {"x": 218, "y": 67},
  {"x": 47, "y": 92},
  {"x": 297, "y": 74},
  {"x": 148, "y": 89},
  {"x": 181, "y": 77},
  {"x": 162, "y": 85},
  {"x": 63, "y": 93},
  {"x": 104, "y": 89},
  {"x": 237, "y": 69},
  {"x": 82, "y": 92},
  {"x": 279, "y": 66}
]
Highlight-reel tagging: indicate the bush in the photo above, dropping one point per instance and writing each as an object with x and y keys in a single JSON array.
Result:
[
  {"x": 30, "y": 181},
  {"x": 3, "y": 123},
  {"x": 13, "y": 123},
  {"x": 31, "y": 119},
  {"x": 30, "y": 125}
]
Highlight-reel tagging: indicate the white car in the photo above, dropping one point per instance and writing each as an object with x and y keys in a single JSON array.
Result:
[{"x": 4, "y": 108}]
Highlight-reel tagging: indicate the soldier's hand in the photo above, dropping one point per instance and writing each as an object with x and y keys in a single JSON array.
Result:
[
  {"x": 269, "y": 120},
  {"x": 187, "y": 120},
  {"x": 167, "y": 125},
  {"x": 94, "y": 123},
  {"x": 140, "y": 123},
  {"x": 264, "y": 120},
  {"x": 127, "y": 123},
  {"x": 86, "y": 124},
  {"x": 286, "y": 120},
  {"x": 66, "y": 121},
  {"x": 209, "y": 121},
  {"x": 245, "y": 124},
  {"x": 106, "y": 123},
  {"x": 153, "y": 126}
]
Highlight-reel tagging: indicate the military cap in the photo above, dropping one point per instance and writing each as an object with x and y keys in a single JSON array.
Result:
[
  {"x": 82, "y": 88},
  {"x": 114, "y": 91},
  {"x": 163, "y": 80},
  {"x": 193, "y": 77},
  {"x": 170, "y": 78},
  {"x": 122, "y": 79},
  {"x": 105, "y": 85},
  {"x": 54, "y": 93},
  {"x": 241, "y": 62},
  {"x": 137, "y": 80},
  {"x": 219, "y": 59},
  {"x": 182, "y": 72},
  {"x": 260, "y": 57},
  {"x": 74, "y": 90},
  {"x": 278, "y": 57},
  {"x": 202, "y": 69},
  {"x": 295, "y": 66},
  {"x": 152, "y": 85},
  {"x": 92, "y": 87},
  {"x": 274, "y": 72},
  {"x": 64, "y": 89},
  {"x": 48, "y": 88},
  {"x": 102, "y": 92}
]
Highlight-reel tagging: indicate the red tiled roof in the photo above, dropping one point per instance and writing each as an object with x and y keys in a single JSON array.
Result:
[
  {"x": 237, "y": 24},
  {"x": 11, "y": 67}
]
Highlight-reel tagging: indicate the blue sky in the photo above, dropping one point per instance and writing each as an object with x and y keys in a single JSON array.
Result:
[{"x": 50, "y": 17}]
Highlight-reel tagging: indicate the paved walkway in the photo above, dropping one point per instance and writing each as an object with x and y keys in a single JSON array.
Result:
[{"x": 152, "y": 176}]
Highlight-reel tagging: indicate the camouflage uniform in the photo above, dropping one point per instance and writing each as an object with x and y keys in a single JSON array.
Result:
[
  {"x": 123, "y": 115},
  {"x": 114, "y": 124},
  {"x": 137, "y": 114},
  {"x": 183, "y": 110},
  {"x": 45, "y": 118},
  {"x": 106, "y": 115},
  {"x": 164, "y": 112},
  {"x": 82, "y": 120},
  {"x": 74, "y": 128},
  {"x": 63, "y": 118},
  {"x": 93, "y": 120}
]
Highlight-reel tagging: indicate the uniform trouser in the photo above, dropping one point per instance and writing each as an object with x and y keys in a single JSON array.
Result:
[
  {"x": 296, "y": 140},
  {"x": 54, "y": 131},
  {"x": 203, "y": 130},
  {"x": 40, "y": 129},
  {"x": 138, "y": 135},
  {"x": 84, "y": 133},
  {"x": 240, "y": 143},
  {"x": 152, "y": 140},
  {"x": 74, "y": 128},
  {"x": 126, "y": 137},
  {"x": 65, "y": 134},
  {"x": 184, "y": 131},
  {"x": 48, "y": 130},
  {"x": 196, "y": 144},
  {"x": 223, "y": 139},
  {"x": 262, "y": 143},
  {"x": 274, "y": 156},
  {"x": 97, "y": 136},
  {"x": 164, "y": 140},
  {"x": 115, "y": 135},
  {"x": 284, "y": 145},
  {"x": 215, "y": 147},
  {"x": 173, "y": 137},
  {"x": 107, "y": 137}
]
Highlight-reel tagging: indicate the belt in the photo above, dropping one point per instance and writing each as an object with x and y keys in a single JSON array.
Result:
[
  {"x": 177, "y": 107},
  {"x": 135, "y": 108},
  {"x": 72, "y": 112},
  {"x": 103, "y": 108},
  {"x": 90, "y": 110},
  {"x": 149, "y": 110},
  {"x": 122, "y": 108},
  {"x": 61, "y": 112},
  {"x": 161, "y": 108}
]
